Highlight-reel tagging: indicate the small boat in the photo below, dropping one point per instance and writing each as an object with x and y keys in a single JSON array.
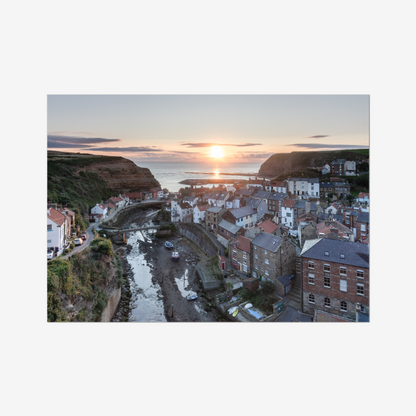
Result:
[
  {"x": 175, "y": 256},
  {"x": 235, "y": 313},
  {"x": 168, "y": 245},
  {"x": 191, "y": 297}
]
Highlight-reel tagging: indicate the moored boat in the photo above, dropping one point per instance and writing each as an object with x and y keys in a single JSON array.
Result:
[
  {"x": 175, "y": 256},
  {"x": 168, "y": 245},
  {"x": 192, "y": 297}
]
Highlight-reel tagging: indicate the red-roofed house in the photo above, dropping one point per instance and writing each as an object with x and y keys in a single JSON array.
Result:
[
  {"x": 56, "y": 230},
  {"x": 239, "y": 253},
  {"x": 269, "y": 227},
  {"x": 363, "y": 197},
  {"x": 134, "y": 196}
]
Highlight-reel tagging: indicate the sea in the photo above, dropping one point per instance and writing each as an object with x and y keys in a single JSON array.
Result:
[{"x": 170, "y": 174}]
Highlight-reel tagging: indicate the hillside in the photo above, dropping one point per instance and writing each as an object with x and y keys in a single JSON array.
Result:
[
  {"x": 81, "y": 287},
  {"x": 280, "y": 163},
  {"x": 80, "y": 180}
]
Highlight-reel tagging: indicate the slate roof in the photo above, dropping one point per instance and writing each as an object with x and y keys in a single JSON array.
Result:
[
  {"x": 326, "y": 185},
  {"x": 261, "y": 194},
  {"x": 364, "y": 217},
  {"x": 267, "y": 241},
  {"x": 338, "y": 161},
  {"x": 355, "y": 254},
  {"x": 284, "y": 280},
  {"x": 244, "y": 192},
  {"x": 214, "y": 209},
  {"x": 313, "y": 180},
  {"x": 228, "y": 226},
  {"x": 242, "y": 212},
  {"x": 277, "y": 196}
]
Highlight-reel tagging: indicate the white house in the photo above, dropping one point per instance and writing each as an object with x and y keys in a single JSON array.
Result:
[
  {"x": 199, "y": 213},
  {"x": 332, "y": 209},
  {"x": 313, "y": 187},
  {"x": 100, "y": 209},
  {"x": 350, "y": 168},
  {"x": 56, "y": 229},
  {"x": 288, "y": 213},
  {"x": 244, "y": 217}
]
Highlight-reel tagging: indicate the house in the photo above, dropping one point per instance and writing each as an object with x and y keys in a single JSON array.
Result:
[
  {"x": 242, "y": 192},
  {"x": 221, "y": 198},
  {"x": 199, "y": 213},
  {"x": 266, "y": 226},
  {"x": 306, "y": 231},
  {"x": 335, "y": 277},
  {"x": 213, "y": 216},
  {"x": 275, "y": 202},
  {"x": 302, "y": 207},
  {"x": 303, "y": 186},
  {"x": 99, "y": 212},
  {"x": 342, "y": 189},
  {"x": 228, "y": 231},
  {"x": 272, "y": 256},
  {"x": 147, "y": 195},
  {"x": 259, "y": 205},
  {"x": 244, "y": 217},
  {"x": 256, "y": 183},
  {"x": 262, "y": 195},
  {"x": 340, "y": 230},
  {"x": 338, "y": 167},
  {"x": 326, "y": 188},
  {"x": 363, "y": 197},
  {"x": 287, "y": 213},
  {"x": 350, "y": 167},
  {"x": 239, "y": 253},
  {"x": 362, "y": 226},
  {"x": 277, "y": 186},
  {"x": 134, "y": 196},
  {"x": 186, "y": 212},
  {"x": 56, "y": 230},
  {"x": 175, "y": 210}
]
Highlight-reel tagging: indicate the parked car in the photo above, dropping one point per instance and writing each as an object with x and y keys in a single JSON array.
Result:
[
  {"x": 50, "y": 255},
  {"x": 78, "y": 242},
  {"x": 84, "y": 235}
]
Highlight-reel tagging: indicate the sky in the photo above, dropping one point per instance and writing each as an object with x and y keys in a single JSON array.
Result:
[{"x": 228, "y": 128}]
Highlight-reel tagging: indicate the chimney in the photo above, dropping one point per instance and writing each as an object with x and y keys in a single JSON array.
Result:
[
  {"x": 333, "y": 234},
  {"x": 352, "y": 237},
  {"x": 307, "y": 207}
]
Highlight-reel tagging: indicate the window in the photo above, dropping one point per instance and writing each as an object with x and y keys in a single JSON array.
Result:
[
  {"x": 342, "y": 256},
  {"x": 288, "y": 214},
  {"x": 311, "y": 278},
  {"x": 49, "y": 241},
  {"x": 311, "y": 298},
  {"x": 344, "y": 307},
  {"x": 326, "y": 253},
  {"x": 234, "y": 254},
  {"x": 265, "y": 252},
  {"x": 343, "y": 270},
  {"x": 49, "y": 227},
  {"x": 360, "y": 274},
  {"x": 266, "y": 273},
  {"x": 327, "y": 281},
  {"x": 343, "y": 285},
  {"x": 244, "y": 268},
  {"x": 327, "y": 303},
  {"x": 360, "y": 289},
  {"x": 256, "y": 267},
  {"x": 362, "y": 227},
  {"x": 256, "y": 256},
  {"x": 327, "y": 268},
  {"x": 266, "y": 261}
]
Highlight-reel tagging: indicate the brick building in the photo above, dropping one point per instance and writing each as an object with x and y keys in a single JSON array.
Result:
[
  {"x": 272, "y": 256},
  {"x": 335, "y": 277},
  {"x": 362, "y": 226},
  {"x": 239, "y": 253}
]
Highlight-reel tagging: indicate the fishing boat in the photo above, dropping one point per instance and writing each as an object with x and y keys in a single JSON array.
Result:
[
  {"x": 168, "y": 245},
  {"x": 191, "y": 297},
  {"x": 175, "y": 256}
]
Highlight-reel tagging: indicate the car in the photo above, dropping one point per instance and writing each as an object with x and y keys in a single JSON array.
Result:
[
  {"x": 78, "y": 242},
  {"x": 84, "y": 235},
  {"x": 50, "y": 255}
]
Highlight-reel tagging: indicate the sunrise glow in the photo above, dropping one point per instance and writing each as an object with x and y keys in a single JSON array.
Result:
[{"x": 216, "y": 152}]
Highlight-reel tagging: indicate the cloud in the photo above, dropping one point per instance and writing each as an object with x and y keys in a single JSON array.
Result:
[
  {"x": 318, "y": 136},
  {"x": 219, "y": 144},
  {"x": 59, "y": 145},
  {"x": 55, "y": 139},
  {"x": 125, "y": 149},
  {"x": 328, "y": 146}
]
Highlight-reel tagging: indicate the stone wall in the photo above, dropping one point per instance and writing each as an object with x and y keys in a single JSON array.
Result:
[
  {"x": 198, "y": 236},
  {"x": 111, "y": 307}
]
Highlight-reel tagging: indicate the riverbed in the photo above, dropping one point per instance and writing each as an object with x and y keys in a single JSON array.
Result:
[{"x": 159, "y": 286}]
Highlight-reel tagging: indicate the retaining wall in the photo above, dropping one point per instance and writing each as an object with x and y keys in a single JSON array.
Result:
[
  {"x": 199, "y": 237},
  {"x": 111, "y": 307}
]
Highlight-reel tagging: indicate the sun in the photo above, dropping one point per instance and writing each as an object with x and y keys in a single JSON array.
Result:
[{"x": 216, "y": 151}]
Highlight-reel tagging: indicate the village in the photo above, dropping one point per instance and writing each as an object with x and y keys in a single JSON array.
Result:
[{"x": 308, "y": 239}]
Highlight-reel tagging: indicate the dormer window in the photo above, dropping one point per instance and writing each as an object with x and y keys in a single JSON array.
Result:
[
  {"x": 342, "y": 256},
  {"x": 326, "y": 253}
]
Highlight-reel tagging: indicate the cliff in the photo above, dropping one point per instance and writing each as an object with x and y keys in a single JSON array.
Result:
[
  {"x": 86, "y": 287},
  {"x": 286, "y": 162},
  {"x": 83, "y": 179}
]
